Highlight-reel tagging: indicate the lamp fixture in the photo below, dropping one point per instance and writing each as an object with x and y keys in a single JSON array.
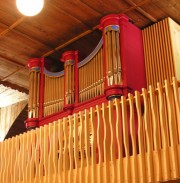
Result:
[{"x": 30, "y": 7}]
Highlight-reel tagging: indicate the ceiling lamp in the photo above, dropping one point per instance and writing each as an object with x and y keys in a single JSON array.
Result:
[{"x": 29, "y": 7}]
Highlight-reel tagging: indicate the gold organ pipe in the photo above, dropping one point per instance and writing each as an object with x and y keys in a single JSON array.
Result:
[
  {"x": 30, "y": 94},
  {"x": 52, "y": 94},
  {"x": 85, "y": 82},
  {"x": 37, "y": 99},
  {"x": 34, "y": 93},
  {"x": 69, "y": 88},
  {"x": 118, "y": 58},
  {"x": 98, "y": 68},
  {"x": 114, "y": 56},
  {"x": 110, "y": 58},
  {"x": 102, "y": 74},
  {"x": 96, "y": 72}
]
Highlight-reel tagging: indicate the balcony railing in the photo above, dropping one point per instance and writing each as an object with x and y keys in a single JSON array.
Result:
[{"x": 134, "y": 139}]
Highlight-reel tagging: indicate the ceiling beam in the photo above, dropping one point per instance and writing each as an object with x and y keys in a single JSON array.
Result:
[
  {"x": 9, "y": 75},
  {"x": 15, "y": 87},
  {"x": 27, "y": 36},
  {"x": 12, "y": 26},
  {"x": 12, "y": 61},
  {"x": 140, "y": 10},
  {"x": 135, "y": 6}
]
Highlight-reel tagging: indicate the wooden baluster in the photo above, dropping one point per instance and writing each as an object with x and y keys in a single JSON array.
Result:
[
  {"x": 177, "y": 104},
  {"x": 134, "y": 164},
  {"x": 76, "y": 148},
  {"x": 41, "y": 152},
  {"x": 55, "y": 150},
  {"x": 141, "y": 136},
  {"x": 82, "y": 167},
  {"x": 60, "y": 150},
  {"x": 106, "y": 142},
  {"x": 156, "y": 134},
  {"x": 23, "y": 157},
  {"x": 15, "y": 171},
  {"x": 70, "y": 147},
  {"x": 1, "y": 160},
  {"x": 119, "y": 165},
  {"x": 172, "y": 131},
  {"x": 65, "y": 153},
  {"x": 112, "y": 142},
  {"x": 12, "y": 159},
  {"x": 87, "y": 146},
  {"x": 50, "y": 168},
  {"x": 94, "y": 144},
  {"x": 28, "y": 147},
  {"x": 148, "y": 132},
  {"x": 32, "y": 164},
  {"x": 164, "y": 134},
  {"x": 99, "y": 145},
  {"x": 5, "y": 161},
  {"x": 45, "y": 152},
  {"x": 127, "y": 171},
  {"x": 36, "y": 155}
]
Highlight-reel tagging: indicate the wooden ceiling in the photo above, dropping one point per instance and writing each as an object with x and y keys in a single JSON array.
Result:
[{"x": 64, "y": 25}]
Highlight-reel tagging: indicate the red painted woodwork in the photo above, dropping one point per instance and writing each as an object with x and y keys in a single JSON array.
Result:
[
  {"x": 32, "y": 123},
  {"x": 34, "y": 63}
]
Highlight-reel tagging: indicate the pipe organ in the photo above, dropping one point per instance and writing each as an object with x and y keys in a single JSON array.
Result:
[
  {"x": 114, "y": 68},
  {"x": 91, "y": 85},
  {"x": 102, "y": 128},
  {"x": 34, "y": 85},
  {"x": 53, "y": 92},
  {"x": 161, "y": 51},
  {"x": 112, "y": 49}
]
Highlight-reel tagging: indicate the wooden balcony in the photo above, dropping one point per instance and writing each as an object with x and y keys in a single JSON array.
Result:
[{"x": 134, "y": 139}]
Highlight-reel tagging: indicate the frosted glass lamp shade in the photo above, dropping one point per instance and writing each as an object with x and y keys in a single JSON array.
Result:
[{"x": 29, "y": 7}]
